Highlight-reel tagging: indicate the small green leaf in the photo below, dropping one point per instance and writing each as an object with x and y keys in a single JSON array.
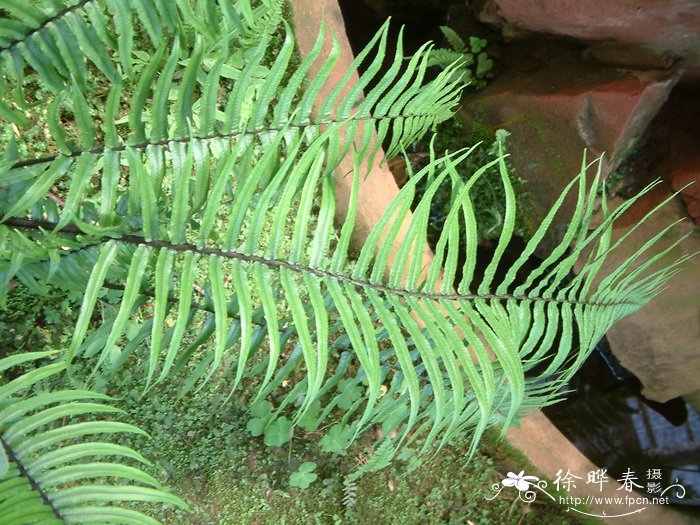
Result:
[
  {"x": 256, "y": 426},
  {"x": 483, "y": 65},
  {"x": 337, "y": 439},
  {"x": 348, "y": 394},
  {"x": 279, "y": 432},
  {"x": 309, "y": 421},
  {"x": 261, "y": 408},
  {"x": 304, "y": 476},
  {"x": 477, "y": 44}
]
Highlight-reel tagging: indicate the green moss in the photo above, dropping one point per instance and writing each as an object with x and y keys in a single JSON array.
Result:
[
  {"x": 445, "y": 489},
  {"x": 487, "y": 194}
]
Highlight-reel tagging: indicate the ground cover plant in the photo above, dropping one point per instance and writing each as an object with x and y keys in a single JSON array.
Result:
[{"x": 183, "y": 186}]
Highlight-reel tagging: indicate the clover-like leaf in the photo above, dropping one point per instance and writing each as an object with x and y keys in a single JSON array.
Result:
[
  {"x": 256, "y": 426},
  {"x": 337, "y": 439},
  {"x": 477, "y": 44},
  {"x": 262, "y": 410},
  {"x": 278, "y": 432},
  {"x": 310, "y": 420},
  {"x": 348, "y": 394},
  {"x": 483, "y": 65},
  {"x": 304, "y": 476}
]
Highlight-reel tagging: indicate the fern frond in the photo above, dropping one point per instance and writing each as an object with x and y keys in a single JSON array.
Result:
[
  {"x": 445, "y": 378},
  {"x": 381, "y": 458},
  {"x": 59, "y": 41},
  {"x": 55, "y": 473},
  {"x": 445, "y": 57},
  {"x": 455, "y": 41},
  {"x": 231, "y": 193},
  {"x": 259, "y": 107},
  {"x": 54, "y": 39},
  {"x": 261, "y": 20}
]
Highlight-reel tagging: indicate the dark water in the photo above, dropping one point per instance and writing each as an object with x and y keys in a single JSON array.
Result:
[{"x": 606, "y": 417}]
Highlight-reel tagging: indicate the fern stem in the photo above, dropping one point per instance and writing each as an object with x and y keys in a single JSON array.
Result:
[
  {"x": 205, "y": 307},
  {"x": 210, "y": 136},
  {"x": 32, "y": 483},
  {"x": 33, "y": 224}
]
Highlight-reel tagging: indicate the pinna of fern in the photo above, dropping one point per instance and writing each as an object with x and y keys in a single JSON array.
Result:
[
  {"x": 61, "y": 41},
  {"x": 232, "y": 190},
  {"x": 65, "y": 474}
]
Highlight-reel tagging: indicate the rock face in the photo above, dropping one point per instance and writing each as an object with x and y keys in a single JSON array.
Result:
[
  {"x": 557, "y": 111},
  {"x": 668, "y": 27},
  {"x": 688, "y": 172},
  {"x": 682, "y": 117}
]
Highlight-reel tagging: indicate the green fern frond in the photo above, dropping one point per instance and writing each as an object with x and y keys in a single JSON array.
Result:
[
  {"x": 400, "y": 108},
  {"x": 262, "y": 20},
  {"x": 440, "y": 329},
  {"x": 61, "y": 41},
  {"x": 443, "y": 58},
  {"x": 380, "y": 459},
  {"x": 455, "y": 41},
  {"x": 55, "y": 39},
  {"x": 54, "y": 472},
  {"x": 213, "y": 217},
  {"x": 470, "y": 61}
]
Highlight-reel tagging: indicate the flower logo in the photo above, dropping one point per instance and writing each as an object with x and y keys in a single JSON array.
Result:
[
  {"x": 519, "y": 481},
  {"x": 527, "y": 486}
]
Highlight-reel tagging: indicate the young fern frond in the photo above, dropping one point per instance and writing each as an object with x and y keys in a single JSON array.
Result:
[
  {"x": 214, "y": 215},
  {"x": 46, "y": 451}
]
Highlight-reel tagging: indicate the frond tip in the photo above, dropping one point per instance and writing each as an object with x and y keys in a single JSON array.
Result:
[{"x": 51, "y": 463}]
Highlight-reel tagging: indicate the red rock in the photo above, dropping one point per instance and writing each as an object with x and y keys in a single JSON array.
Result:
[
  {"x": 693, "y": 207},
  {"x": 669, "y": 27},
  {"x": 556, "y": 112},
  {"x": 628, "y": 56},
  {"x": 688, "y": 172},
  {"x": 683, "y": 178},
  {"x": 684, "y": 173}
]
